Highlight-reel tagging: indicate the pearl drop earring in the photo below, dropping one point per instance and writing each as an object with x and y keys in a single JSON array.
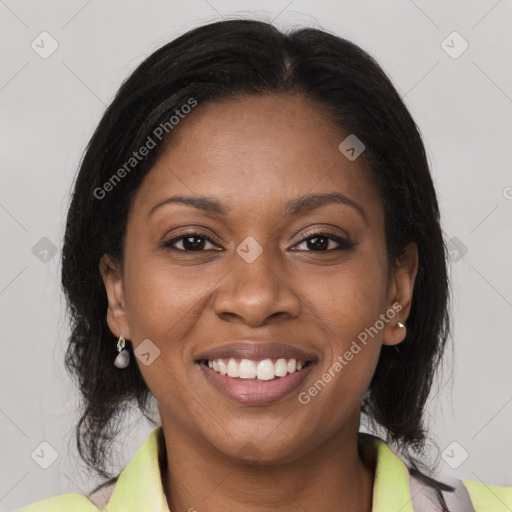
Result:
[{"x": 122, "y": 359}]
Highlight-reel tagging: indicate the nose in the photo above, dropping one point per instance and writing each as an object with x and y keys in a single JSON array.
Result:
[{"x": 256, "y": 293}]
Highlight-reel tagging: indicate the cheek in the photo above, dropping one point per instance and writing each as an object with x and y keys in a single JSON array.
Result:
[
  {"x": 161, "y": 305},
  {"x": 345, "y": 302},
  {"x": 169, "y": 306},
  {"x": 347, "y": 306},
  {"x": 162, "y": 299},
  {"x": 347, "y": 311}
]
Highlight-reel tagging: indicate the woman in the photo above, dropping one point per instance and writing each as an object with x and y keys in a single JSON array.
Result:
[{"x": 254, "y": 244}]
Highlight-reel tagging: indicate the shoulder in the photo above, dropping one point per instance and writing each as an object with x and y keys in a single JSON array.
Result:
[
  {"x": 138, "y": 485},
  {"x": 466, "y": 496},
  {"x": 74, "y": 502},
  {"x": 421, "y": 493},
  {"x": 70, "y": 502},
  {"x": 489, "y": 498}
]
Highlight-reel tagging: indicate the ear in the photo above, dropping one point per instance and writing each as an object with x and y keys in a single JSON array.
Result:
[
  {"x": 117, "y": 319},
  {"x": 400, "y": 295}
]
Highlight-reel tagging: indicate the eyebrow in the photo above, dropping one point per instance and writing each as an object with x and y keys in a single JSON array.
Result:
[{"x": 295, "y": 206}]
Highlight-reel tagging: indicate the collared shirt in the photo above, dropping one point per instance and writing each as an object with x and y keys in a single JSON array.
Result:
[{"x": 139, "y": 489}]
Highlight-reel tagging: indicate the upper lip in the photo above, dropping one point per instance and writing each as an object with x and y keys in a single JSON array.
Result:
[{"x": 251, "y": 349}]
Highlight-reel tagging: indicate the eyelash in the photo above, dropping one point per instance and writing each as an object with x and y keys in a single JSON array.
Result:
[{"x": 344, "y": 243}]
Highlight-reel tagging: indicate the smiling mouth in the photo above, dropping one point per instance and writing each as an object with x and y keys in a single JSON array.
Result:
[{"x": 256, "y": 370}]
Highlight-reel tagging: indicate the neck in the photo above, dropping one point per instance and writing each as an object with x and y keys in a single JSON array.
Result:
[{"x": 331, "y": 477}]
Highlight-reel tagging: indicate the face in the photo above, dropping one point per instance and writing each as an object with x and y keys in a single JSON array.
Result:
[{"x": 257, "y": 275}]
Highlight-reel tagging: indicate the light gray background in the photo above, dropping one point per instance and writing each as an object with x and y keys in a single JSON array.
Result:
[{"x": 50, "y": 107}]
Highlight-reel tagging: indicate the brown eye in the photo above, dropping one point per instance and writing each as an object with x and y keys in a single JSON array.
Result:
[
  {"x": 190, "y": 242},
  {"x": 323, "y": 242}
]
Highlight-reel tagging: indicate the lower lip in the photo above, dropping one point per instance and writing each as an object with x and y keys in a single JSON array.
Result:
[{"x": 256, "y": 392}]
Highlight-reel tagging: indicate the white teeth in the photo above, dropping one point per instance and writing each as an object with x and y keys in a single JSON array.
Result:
[
  {"x": 281, "y": 368},
  {"x": 247, "y": 369},
  {"x": 232, "y": 368},
  {"x": 264, "y": 369},
  {"x": 222, "y": 367}
]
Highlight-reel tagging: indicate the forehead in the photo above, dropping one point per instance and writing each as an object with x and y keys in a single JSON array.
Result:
[{"x": 259, "y": 151}]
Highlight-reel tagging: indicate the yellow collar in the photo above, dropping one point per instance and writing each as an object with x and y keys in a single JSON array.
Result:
[
  {"x": 391, "y": 488},
  {"x": 139, "y": 485}
]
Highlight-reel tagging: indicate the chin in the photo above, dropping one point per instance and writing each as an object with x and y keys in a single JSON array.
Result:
[{"x": 255, "y": 450}]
